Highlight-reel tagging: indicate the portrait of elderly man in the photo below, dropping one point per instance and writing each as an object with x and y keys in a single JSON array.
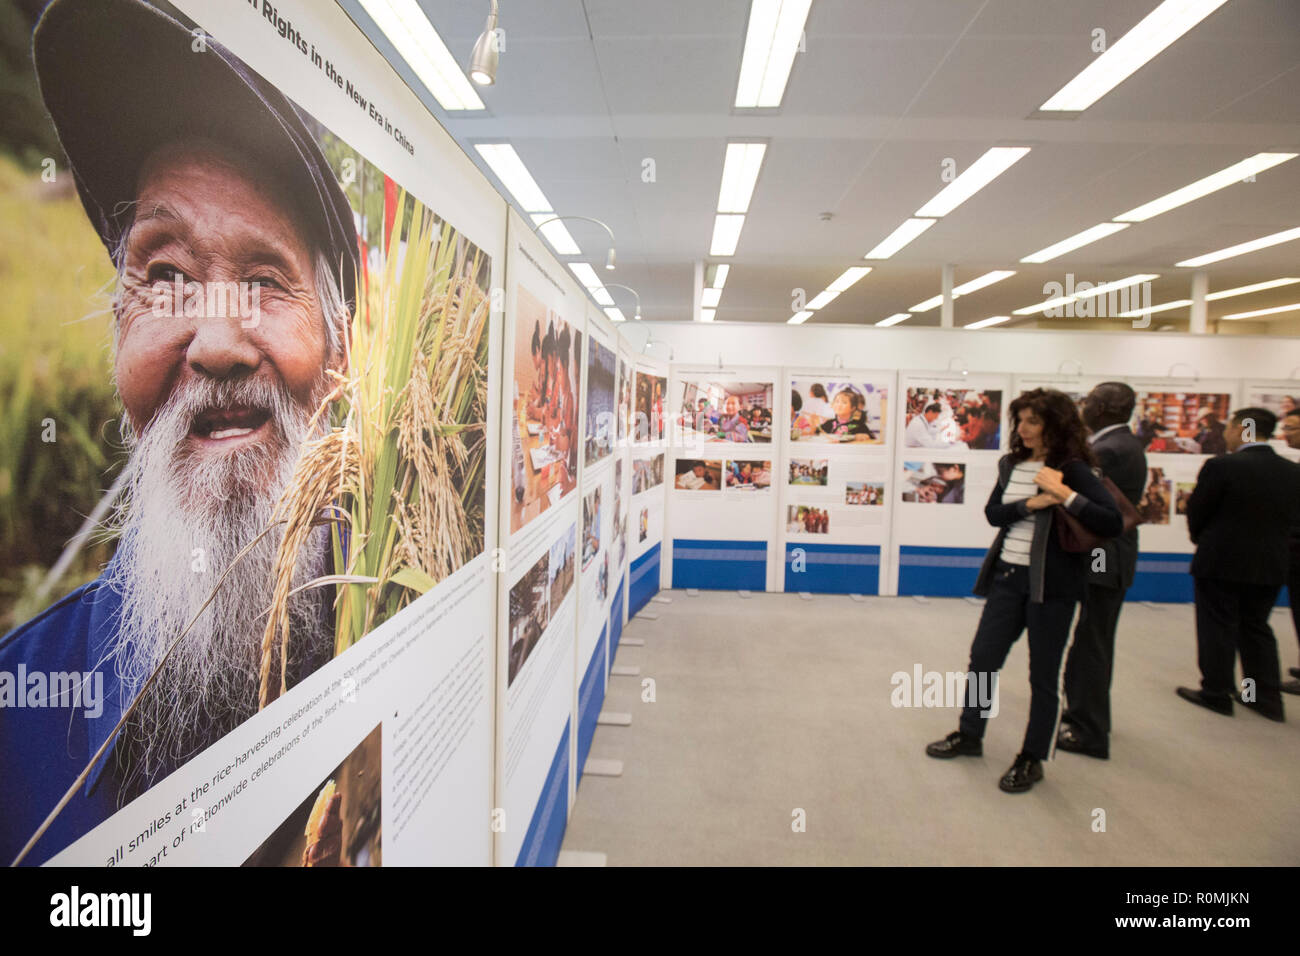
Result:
[{"x": 192, "y": 170}]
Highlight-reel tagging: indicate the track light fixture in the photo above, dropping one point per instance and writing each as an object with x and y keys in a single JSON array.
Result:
[{"x": 483, "y": 61}]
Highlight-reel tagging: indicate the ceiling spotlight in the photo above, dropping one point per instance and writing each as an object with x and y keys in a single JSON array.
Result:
[
  {"x": 609, "y": 260},
  {"x": 483, "y": 61},
  {"x": 542, "y": 220}
]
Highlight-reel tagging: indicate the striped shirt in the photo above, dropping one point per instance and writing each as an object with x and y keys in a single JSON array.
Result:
[{"x": 1020, "y": 535}]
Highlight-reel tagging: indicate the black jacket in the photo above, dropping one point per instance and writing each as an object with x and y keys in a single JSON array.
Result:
[
  {"x": 1053, "y": 571},
  {"x": 1240, "y": 516},
  {"x": 1123, "y": 460}
]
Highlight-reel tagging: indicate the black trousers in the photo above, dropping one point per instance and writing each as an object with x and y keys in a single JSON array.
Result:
[
  {"x": 1293, "y": 587},
  {"x": 1008, "y": 612},
  {"x": 1232, "y": 617},
  {"x": 1090, "y": 665}
]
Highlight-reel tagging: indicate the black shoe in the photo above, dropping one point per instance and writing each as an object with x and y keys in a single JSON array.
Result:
[
  {"x": 1223, "y": 707},
  {"x": 1071, "y": 741},
  {"x": 1024, "y": 773},
  {"x": 1273, "y": 713},
  {"x": 1290, "y": 686},
  {"x": 1295, "y": 672},
  {"x": 956, "y": 744}
]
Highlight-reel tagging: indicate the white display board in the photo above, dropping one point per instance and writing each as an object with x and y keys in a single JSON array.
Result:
[
  {"x": 541, "y": 526},
  {"x": 722, "y": 474},
  {"x": 377, "y": 726},
  {"x": 835, "y": 501},
  {"x": 951, "y": 430}
]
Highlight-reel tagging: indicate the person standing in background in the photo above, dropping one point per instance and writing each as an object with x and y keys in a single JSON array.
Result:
[
  {"x": 1085, "y": 727},
  {"x": 1240, "y": 517},
  {"x": 1291, "y": 432}
]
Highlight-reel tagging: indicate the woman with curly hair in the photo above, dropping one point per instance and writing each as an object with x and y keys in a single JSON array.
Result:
[{"x": 1029, "y": 580}]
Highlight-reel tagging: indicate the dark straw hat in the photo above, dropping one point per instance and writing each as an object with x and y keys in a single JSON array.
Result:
[{"x": 120, "y": 78}]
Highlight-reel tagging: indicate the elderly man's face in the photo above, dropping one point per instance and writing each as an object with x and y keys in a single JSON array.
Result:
[{"x": 207, "y": 216}]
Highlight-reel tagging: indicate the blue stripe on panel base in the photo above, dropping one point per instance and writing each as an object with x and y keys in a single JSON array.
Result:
[
  {"x": 616, "y": 618},
  {"x": 591, "y": 694},
  {"x": 643, "y": 580},
  {"x": 938, "y": 572},
  {"x": 1162, "y": 577},
  {"x": 720, "y": 565},
  {"x": 546, "y": 829},
  {"x": 832, "y": 568}
]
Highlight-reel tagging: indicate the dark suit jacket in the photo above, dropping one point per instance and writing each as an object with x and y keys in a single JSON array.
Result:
[
  {"x": 1123, "y": 460},
  {"x": 1240, "y": 516}
]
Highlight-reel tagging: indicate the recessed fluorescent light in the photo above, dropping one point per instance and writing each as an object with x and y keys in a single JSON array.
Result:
[
  {"x": 900, "y": 237},
  {"x": 418, "y": 43},
  {"x": 848, "y": 277},
  {"x": 1203, "y": 187},
  {"x": 706, "y": 315},
  {"x": 1159, "y": 28},
  {"x": 771, "y": 41},
  {"x": 1241, "y": 249},
  {"x": 739, "y": 173},
  {"x": 799, "y": 318},
  {"x": 823, "y": 299},
  {"x": 1079, "y": 239},
  {"x": 931, "y": 303},
  {"x": 894, "y": 319},
  {"x": 985, "y": 323},
  {"x": 1092, "y": 293},
  {"x": 556, "y": 234},
  {"x": 1246, "y": 289},
  {"x": 591, "y": 282},
  {"x": 514, "y": 175},
  {"x": 616, "y": 315},
  {"x": 710, "y": 298},
  {"x": 1293, "y": 307},
  {"x": 720, "y": 275},
  {"x": 1165, "y": 307},
  {"x": 977, "y": 175},
  {"x": 985, "y": 280},
  {"x": 726, "y": 235}
]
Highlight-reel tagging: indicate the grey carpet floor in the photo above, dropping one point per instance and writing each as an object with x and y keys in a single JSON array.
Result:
[{"x": 769, "y": 705}]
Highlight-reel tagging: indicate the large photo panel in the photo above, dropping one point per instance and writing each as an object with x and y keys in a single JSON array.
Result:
[
  {"x": 834, "y": 490},
  {"x": 277, "y": 408},
  {"x": 951, "y": 429}
]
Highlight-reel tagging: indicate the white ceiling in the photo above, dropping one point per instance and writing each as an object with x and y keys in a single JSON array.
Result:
[{"x": 885, "y": 91}]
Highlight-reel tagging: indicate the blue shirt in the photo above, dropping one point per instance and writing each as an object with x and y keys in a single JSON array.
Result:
[{"x": 44, "y": 748}]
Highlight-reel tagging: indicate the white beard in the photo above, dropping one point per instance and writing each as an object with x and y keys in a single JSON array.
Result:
[{"x": 184, "y": 516}]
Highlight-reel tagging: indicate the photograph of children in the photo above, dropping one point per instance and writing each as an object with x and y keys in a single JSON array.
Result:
[
  {"x": 339, "y": 822},
  {"x": 648, "y": 416},
  {"x": 602, "y": 578},
  {"x": 1183, "y": 490},
  {"x": 545, "y": 422},
  {"x": 749, "y": 475},
  {"x": 624, "y": 398},
  {"x": 644, "y": 525},
  {"x": 833, "y": 411},
  {"x": 953, "y": 418},
  {"x": 864, "y": 493},
  {"x": 600, "y": 402},
  {"x": 530, "y": 612},
  {"x": 1153, "y": 506},
  {"x": 942, "y": 483},
  {"x": 696, "y": 475},
  {"x": 590, "y": 527},
  {"x": 805, "y": 519},
  {"x": 726, "y": 411},
  {"x": 1182, "y": 423},
  {"x": 647, "y": 473},
  {"x": 809, "y": 471}
]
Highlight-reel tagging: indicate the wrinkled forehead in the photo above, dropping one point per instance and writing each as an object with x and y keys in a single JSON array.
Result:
[{"x": 201, "y": 186}]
